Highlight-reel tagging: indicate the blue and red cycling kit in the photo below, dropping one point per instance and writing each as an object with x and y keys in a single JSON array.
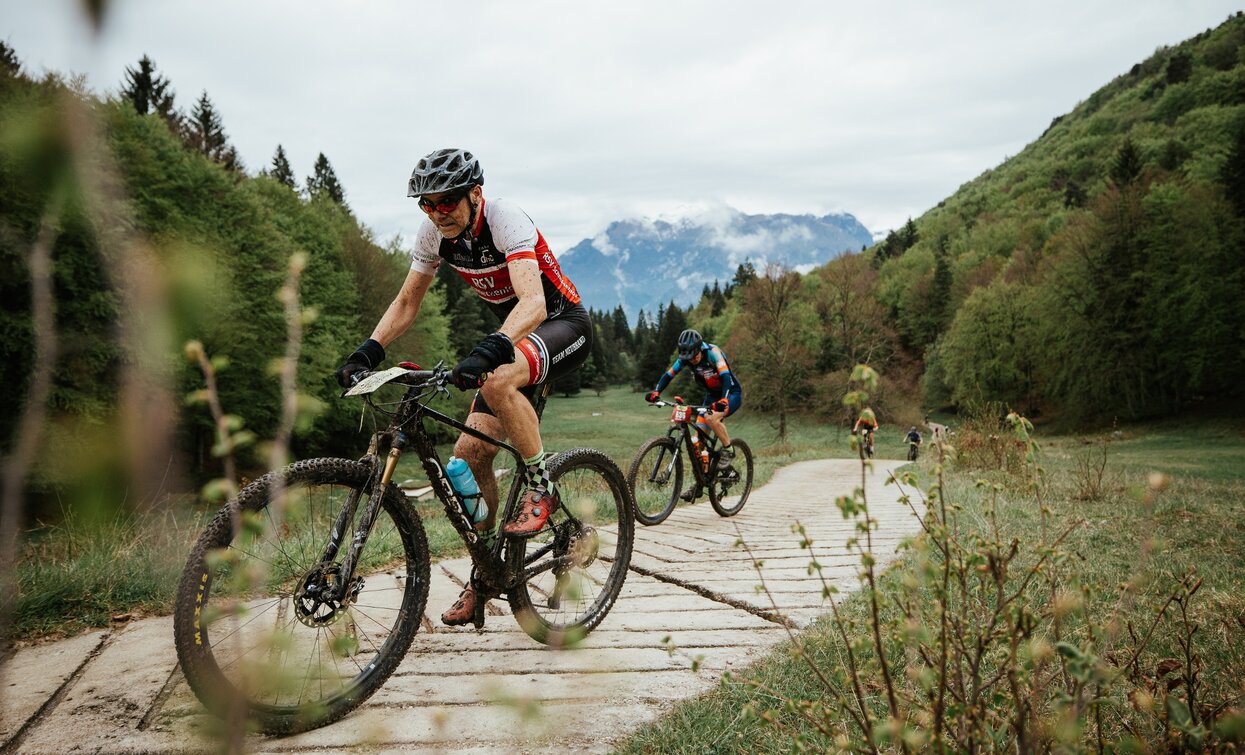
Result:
[{"x": 713, "y": 373}]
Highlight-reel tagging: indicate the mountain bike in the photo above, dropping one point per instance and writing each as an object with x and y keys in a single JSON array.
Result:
[
  {"x": 913, "y": 450},
  {"x": 303, "y": 594},
  {"x": 656, "y": 474},
  {"x": 866, "y": 440}
]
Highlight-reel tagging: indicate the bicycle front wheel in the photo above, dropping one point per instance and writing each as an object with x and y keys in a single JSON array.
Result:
[
  {"x": 573, "y": 569},
  {"x": 735, "y": 480},
  {"x": 655, "y": 479},
  {"x": 257, "y": 633}
]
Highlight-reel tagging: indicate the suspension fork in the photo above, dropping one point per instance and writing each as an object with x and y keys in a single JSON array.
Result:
[{"x": 396, "y": 442}]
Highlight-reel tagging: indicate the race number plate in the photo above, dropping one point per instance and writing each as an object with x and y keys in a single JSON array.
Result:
[
  {"x": 680, "y": 414},
  {"x": 376, "y": 380}
]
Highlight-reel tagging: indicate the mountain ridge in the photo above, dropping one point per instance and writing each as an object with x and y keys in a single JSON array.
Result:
[{"x": 645, "y": 263}]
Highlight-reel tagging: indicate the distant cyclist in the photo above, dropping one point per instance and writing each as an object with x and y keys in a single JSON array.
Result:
[
  {"x": 913, "y": 439},
  {"x": 868, "y": 425},
  {"x": 723, "y": 393}
]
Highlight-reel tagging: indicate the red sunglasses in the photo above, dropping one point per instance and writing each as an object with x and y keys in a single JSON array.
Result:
[{"x": 445, "y": 205}]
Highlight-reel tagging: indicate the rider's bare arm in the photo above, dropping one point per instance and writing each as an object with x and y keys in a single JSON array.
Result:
[
  {"x": 404, "y": 307},
  {"x": 530, "y": 311}
]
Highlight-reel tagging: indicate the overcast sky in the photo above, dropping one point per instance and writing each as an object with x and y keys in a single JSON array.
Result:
[{"x": 585, "y": 112}]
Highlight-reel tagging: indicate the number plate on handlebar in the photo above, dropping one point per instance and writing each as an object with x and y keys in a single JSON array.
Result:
[
  {"x": 681, "y": 414},
  {"x": 376, "y": 380}
]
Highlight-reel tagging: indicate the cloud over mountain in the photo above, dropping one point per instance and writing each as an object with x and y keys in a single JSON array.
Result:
[{"x": 645, "y": 263}]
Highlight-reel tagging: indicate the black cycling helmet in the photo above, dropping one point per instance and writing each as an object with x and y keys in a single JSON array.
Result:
[
  {"x": 689, "y": 343},
  {"x": 444, "y": 170}
]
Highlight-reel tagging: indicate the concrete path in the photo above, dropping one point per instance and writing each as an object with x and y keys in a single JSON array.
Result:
[{"x": 120, "y": 691}]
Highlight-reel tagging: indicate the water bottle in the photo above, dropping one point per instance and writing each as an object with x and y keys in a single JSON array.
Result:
[
  {"x": 465, "y": 483},
  {"x": 704, "y": 460}
]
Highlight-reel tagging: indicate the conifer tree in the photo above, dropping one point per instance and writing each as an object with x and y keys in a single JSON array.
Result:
[
  {"x": 8, "y": 60},
  {"x": 1126, "y": 166},
  {"x": 622, "y": 330},
  {"x": 148, "y": 91},
  {"x": 205, "y": 133},
  {"x": 281, "y": 169},
  {"x": 323, "y": 182},
  {"x": 910, "y": 236}
]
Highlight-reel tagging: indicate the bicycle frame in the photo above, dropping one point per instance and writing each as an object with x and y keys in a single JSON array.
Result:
[
  {"x": 685, "y": 430},
  {"x": 407, "y": 429}
]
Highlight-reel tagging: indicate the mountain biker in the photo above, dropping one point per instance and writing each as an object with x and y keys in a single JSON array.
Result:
[
  {"x": 497, "y": 249},
  {"x": 913, "y": 436},
  {"x": 869, "y": 423},
  {"x": 723, "y": 393}
]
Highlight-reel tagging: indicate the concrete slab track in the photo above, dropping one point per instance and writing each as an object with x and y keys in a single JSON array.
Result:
[{"x": 120, "y": 690}]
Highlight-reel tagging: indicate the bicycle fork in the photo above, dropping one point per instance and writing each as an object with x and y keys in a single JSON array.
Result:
[{"x": 347, "y": 586}]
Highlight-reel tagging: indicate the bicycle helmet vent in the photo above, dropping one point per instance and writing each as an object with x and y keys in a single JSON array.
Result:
[
  {"x": 444, "y": 170},
  {"x": 689, "y": 343}
]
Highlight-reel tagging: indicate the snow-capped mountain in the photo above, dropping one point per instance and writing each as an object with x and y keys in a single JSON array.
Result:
[{"x": 644, "y": 264}]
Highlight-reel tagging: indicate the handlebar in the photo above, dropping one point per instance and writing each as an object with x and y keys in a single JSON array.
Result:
[
  {"x": 661, "y": 402},
  {"x": 436, "y": 378}
]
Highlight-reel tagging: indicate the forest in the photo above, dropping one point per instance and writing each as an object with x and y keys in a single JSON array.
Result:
[{"x": 1094, "y": 277}]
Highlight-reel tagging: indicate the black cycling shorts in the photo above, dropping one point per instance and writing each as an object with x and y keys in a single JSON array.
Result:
[{"x": 558, "y": 347}]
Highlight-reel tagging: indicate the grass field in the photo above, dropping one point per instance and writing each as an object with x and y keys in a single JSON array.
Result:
[
  {"x": 82, "y": 572},
  {"x": 619, "y": 421},
  {"x": 1196, "y": 526}
]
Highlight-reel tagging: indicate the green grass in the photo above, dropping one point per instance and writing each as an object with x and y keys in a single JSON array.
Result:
[
  {"x": 619, "y": 421},
  {"x": 1197, "y": 523},
  {"x": 79, "y": 573}
]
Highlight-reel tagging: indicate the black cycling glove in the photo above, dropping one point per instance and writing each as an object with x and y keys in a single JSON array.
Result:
[
  {"x": 365, "y": 358},
  {"x": 491, "y": 352}
]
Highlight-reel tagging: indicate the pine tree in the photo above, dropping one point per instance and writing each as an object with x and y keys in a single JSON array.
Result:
[
  {"x": 8, "y": 60},
  {"x": 1179, "y": 68},
  {"x": 744, "y": 274},
  {"x": 323, "y": 182},
  {"x": 148, "y": 91},
  {"x": 622, "y": 330},
  {"x": 205, "y": 133},
  {"x": 281, "y": 170},
  {"x": 909, "y": 236},
  {"x": 717, "y": 299},
  {"x": 1127, "y": 165}
]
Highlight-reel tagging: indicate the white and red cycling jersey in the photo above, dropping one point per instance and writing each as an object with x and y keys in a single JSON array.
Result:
[{"x": 502, "y": 232}]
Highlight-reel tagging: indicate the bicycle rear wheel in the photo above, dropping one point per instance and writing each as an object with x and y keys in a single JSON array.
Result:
[
  {"x": 574, "y": 569},
  {"x": 253, "y": 636},
  {"x": 655, "y": 479},
  {"x": 735, "y": 480}
]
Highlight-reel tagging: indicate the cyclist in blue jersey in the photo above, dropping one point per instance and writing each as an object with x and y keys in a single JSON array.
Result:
[{"x": 723, "y": 393}]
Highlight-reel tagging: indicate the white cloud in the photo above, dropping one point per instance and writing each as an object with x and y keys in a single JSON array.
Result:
[{"x": 585, "y": 113}]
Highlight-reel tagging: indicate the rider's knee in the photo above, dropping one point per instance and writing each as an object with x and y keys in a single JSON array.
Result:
[
  {"x": 504, "y": 383},
  {"x": 474, "y": 450}
]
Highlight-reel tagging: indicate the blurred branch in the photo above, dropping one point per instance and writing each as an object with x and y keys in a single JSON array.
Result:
[
  {"x": 30, "y": 428},
  {"x": 146, "y": 407}
]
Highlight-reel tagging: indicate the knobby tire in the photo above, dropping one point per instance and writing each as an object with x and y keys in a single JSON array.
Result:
[
  {"x": 591, "y": 486},
  {"x": 721, "y": 489},
  {"x": 369, "y": 646},
  {"x": 656, "y": 498}
]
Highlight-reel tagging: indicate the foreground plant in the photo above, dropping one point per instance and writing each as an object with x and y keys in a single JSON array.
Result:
[{"x": 984, "y": 642}]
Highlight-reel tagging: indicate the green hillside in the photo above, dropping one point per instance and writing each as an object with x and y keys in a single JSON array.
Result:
[
  {"x": 1101, "y": 271},
  {"x": 203, "y": 248}
]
